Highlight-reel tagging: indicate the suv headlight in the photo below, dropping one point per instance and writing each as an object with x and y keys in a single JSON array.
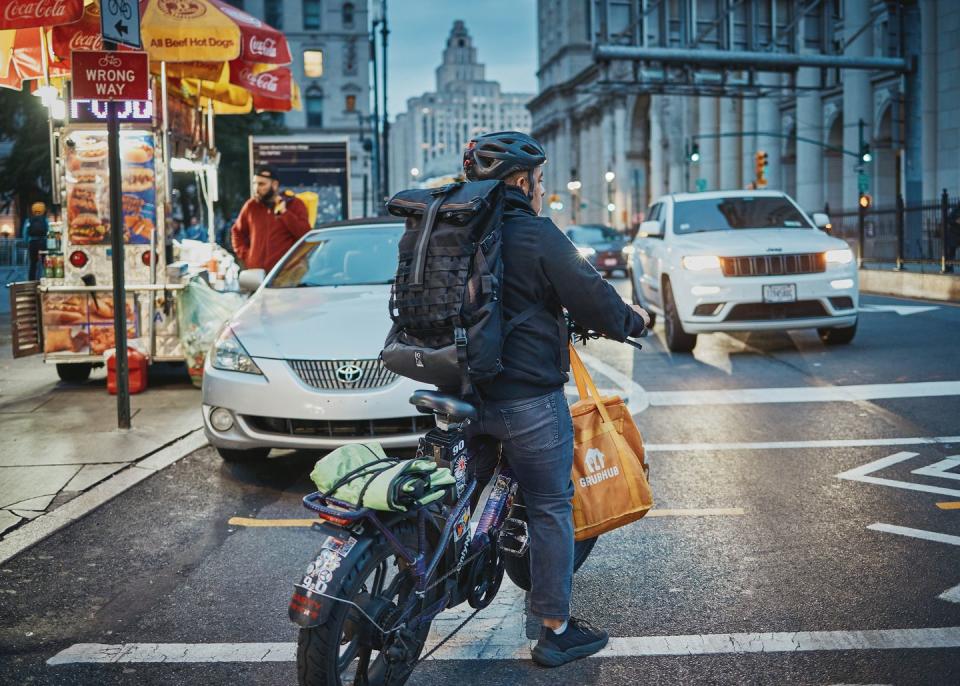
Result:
[
  {"x": 586, "y": 251},
  {"x": 698, "y": 263},
  {"x": 230, "y": 356},
  {"x": 839, "y": 256}
]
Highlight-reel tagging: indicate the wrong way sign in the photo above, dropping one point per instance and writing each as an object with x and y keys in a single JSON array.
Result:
[{"x": 103, "y": 75}]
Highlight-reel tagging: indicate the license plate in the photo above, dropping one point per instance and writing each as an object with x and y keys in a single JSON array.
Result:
[
  {"x": 610, "y": 261},
  {"x": 780, "y": 293}
]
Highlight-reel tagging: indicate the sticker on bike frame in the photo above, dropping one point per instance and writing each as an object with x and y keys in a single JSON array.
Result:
[{"x": 463, "y": 526}]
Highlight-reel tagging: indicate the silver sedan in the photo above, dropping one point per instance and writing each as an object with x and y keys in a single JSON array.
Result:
[{"x": 298, "y": 366}]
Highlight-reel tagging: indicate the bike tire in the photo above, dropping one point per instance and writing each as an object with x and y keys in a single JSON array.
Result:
[{"x": 318, "y": 648}]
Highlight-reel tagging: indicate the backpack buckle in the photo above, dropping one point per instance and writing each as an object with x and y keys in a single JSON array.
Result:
[{"x": 460, "y": 337}]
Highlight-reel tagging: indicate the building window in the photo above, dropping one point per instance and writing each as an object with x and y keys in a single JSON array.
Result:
[
  {"x": 350, "y": 58},
  {"x": 351, "y": 104},
  {"x": 314, "y": 107},
  {"x": 311, "y": 15},
  {"x": 313, "y": 63},
  {"x": 273, "y": 13},
  {"x": 347, "y": 15}
]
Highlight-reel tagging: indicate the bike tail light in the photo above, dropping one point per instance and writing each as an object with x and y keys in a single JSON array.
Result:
[{"x": 339, "y": 521}]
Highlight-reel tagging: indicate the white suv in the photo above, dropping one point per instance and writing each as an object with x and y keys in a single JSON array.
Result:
[{"x": 742, "y": 261}]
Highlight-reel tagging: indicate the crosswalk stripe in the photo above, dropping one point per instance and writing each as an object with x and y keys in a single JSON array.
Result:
[{"x": 628, "y": 646}]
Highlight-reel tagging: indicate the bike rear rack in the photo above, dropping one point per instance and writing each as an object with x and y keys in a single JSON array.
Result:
[{"x": 341, "y": 509}]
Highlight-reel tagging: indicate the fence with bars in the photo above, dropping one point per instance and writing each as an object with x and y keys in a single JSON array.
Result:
[
  {"x": 13, "y": 252},
  {"x": 880, "y": 234}
]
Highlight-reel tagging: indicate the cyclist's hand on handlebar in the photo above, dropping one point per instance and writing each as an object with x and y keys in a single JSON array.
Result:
[{"x": 643, "y": 314}]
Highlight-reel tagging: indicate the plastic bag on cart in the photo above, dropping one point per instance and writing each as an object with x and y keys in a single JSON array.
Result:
[{"x": 201, "y": 314}]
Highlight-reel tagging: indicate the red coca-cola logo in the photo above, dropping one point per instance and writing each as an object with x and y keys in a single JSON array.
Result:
[
  {"x": 268, "y": 82},
  {"x": 86, "y": 41},
  {"x": 37, "y": 9},
  {"x": 265, "y": 47}
]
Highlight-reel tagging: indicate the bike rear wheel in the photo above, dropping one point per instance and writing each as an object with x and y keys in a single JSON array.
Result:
[{"x": 330, "y": 654}]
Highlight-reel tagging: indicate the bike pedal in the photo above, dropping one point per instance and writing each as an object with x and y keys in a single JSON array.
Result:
[{"x": 514, "y": 538}]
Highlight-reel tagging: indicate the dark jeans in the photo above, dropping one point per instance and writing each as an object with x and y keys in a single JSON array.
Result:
[
  {"x": 537, "y": 438},
  {"x": 34, "y": 246}
]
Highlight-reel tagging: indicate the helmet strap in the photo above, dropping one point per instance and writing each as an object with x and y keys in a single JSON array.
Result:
[{"x": 530, "y": 185}]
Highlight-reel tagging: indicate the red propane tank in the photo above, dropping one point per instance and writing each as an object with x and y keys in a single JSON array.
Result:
[{"x": 137, "y": 362}]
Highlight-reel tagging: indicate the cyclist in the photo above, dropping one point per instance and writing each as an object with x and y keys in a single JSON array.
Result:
[{"x": 525, "y": 408}]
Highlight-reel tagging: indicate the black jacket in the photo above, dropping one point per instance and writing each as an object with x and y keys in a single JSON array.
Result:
[{"x": 541, "y": 265}]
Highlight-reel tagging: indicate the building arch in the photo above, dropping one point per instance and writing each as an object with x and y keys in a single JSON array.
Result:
[
  {"x": 885, "y": 167},
  {"x": 833, "y": 161}
]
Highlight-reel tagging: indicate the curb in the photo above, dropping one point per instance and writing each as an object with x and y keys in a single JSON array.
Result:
[{"x": 35, "y": 531}]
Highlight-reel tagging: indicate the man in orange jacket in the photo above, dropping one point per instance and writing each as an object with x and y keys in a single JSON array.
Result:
[{"x": 269, "y": 223}]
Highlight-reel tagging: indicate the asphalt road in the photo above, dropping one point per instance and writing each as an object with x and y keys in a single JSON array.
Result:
[{"x": 787, "y": 548}]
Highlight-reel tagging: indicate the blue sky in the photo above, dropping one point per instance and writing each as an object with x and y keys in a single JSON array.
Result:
[{"x": 504, "y": 33}]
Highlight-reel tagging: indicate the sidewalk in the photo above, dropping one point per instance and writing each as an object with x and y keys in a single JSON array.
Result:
[{"x": 61, "y": 440}]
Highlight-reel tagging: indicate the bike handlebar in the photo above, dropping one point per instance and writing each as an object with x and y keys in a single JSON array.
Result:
[{"x": 584, "y": 333}]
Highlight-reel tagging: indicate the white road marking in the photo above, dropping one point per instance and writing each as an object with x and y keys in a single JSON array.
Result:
[
  {"x": 941, "y": 469},
  {"x": 862, "y": 474},
  {"x": 630, "y": 646},
  {"x": 796, "y": 445},
  {"x": 41, "y": 527},
  {"x": 804, "y": 394},
  {"x": 916, "y": 533},
  {"x": 903, "y": 310},
  {"x": 951, "y": 595}
]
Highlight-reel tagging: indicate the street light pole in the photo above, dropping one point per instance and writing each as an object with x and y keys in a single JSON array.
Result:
[
  {"x": 375, "y": 123},
  {"x": 384, "y": 32}
]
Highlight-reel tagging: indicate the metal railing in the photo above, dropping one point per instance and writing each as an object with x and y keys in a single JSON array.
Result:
[
  {"x": 901, "y": 235},
  {"x": 13, "y": 252}
]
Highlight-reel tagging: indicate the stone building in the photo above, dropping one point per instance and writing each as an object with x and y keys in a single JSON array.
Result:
[
  {"x": 426, "y": 141},
  {"x": 640, "y": 120},
  {"x": 330, "y": 50}
]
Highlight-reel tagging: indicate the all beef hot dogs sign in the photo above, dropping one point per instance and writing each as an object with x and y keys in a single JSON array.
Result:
[{"x": 101, "y": 75}]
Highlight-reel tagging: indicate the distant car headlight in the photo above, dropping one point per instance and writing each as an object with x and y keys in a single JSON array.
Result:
[
  {"x": 628, "y": 250},
  {"x": 839, "y": 256},
  {"x": 587, "y": 251},
  {"x": 230, "y": 356},
  {"x": 698, "y": 263}
]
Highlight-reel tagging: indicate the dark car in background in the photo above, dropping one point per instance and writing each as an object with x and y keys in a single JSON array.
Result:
[{"x": 601, "y": 245}]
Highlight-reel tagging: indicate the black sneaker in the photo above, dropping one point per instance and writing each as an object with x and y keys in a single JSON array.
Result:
[{"x": 579, "y": 640}]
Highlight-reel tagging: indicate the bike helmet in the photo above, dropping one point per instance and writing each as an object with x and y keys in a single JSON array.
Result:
[{"x": 498, "y": 155}]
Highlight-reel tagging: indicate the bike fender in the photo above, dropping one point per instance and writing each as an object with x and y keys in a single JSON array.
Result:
[{"x": 338, "y": 554}]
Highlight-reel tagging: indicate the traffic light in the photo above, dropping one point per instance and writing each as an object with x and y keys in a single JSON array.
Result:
[
  {"x": 865, "y": 155},
  {"x": 865, "y": 200},
  {"x": 760, "y": 160},
  {"x": 695, "y": 153}
]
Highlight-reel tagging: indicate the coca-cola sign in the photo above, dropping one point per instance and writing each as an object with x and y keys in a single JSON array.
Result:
[
  {"x": 82, "y": 35},
  {"x": 263, "y": 47},
  {"x": 24, "y": 14},
  {"x": 275, "y": 83}
]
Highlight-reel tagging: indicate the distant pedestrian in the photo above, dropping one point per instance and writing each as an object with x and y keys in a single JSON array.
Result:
[
  {"x": 196, "y": 231},
  {"x": 269, "y": 223},
  {"x": 35, "y": 228},
  {"x": 952, "y": 237}
]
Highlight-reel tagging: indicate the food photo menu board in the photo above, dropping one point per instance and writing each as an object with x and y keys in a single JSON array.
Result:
[
  {"x": 82, "y": 323},
  {"x": 88, "y": 187}
]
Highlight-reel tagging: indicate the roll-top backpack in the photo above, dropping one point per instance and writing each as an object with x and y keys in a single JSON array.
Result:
[
  {"x": 448, "y": 323},
  {"x": 37, "y": 227}
]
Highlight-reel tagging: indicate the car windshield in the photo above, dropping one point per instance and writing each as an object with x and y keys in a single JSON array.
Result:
[
  {"x": 741, "y": 212},
  {"x": 594, "y": 233},
  {"x": 363, "y": 255}
]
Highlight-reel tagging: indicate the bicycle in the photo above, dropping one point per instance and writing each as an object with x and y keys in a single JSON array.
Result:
[{"x": 366, "y": 602}]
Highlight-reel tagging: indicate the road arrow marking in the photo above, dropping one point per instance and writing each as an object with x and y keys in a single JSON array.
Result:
[
  {"x": 902, "y": 310},
  {"x": 863, "y": 472},
  {"x": 951, "y": 595},
  {"x": 915, "y": 533}
]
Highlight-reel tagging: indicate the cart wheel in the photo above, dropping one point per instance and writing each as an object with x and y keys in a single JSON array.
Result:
[{"x": 77, "y": 372}]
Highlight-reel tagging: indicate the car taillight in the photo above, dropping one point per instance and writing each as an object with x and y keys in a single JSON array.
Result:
[{"x": 79, "y": 259}]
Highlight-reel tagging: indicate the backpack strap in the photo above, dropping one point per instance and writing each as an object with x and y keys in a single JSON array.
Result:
[
  {"x": 514, "y": 322},
  {"x": 460, "y": 341},
  {"x": 423, "y": 241}
]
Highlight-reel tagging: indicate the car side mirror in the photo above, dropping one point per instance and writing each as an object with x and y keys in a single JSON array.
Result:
[
  {"x": 651, "y": 229},
  {"x": 251, "y": 279},
  {"x": 821, "y": 221}
]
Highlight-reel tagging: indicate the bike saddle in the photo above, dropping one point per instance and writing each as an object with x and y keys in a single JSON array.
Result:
[{"x": 442, "y": 403}]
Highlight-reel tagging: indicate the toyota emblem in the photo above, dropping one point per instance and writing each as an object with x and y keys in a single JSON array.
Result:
[{"x": 349, "y": 373}]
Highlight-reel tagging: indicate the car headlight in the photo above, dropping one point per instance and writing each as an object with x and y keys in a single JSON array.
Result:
[
  {"x": 698, "y": 263},
  {"x": 628, "y": 250},
  {"x": 230, "y": 356},
  {"x": 839, "y": 256},
  {"x": 587, "y": 251}
]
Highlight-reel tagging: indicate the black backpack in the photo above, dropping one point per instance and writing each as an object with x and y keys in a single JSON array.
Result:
[
  {"x": 448, "y": 324},
  {"x": 37, "y": 227}
]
